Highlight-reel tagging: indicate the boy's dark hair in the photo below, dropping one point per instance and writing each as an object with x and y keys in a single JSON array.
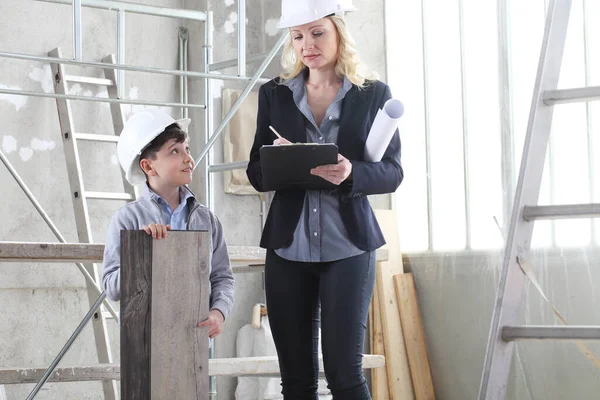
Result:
[{"x": 172, "y": 131}]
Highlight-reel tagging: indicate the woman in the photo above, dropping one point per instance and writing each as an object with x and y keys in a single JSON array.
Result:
[{"x": 320, "y": 263}]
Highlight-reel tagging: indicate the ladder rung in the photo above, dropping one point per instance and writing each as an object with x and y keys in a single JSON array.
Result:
[
  {"x": 108, "y": 196},
  {"x": 89, "y": 80},
  {"x": 590, "y": 93},
  {"x": 531, "y": 213},
  {"x": 93, "y": 137},
  {"x": 107, "y": 315},
  {"x": 538, "y": 332}
]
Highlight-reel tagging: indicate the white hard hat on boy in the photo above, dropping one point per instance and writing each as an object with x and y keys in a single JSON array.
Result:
[
  {"x": 300, "y": 12},
  {"x": 139, "y": 130}
]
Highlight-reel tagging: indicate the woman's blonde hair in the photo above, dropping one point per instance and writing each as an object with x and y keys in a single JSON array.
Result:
[{"x": 348, "y": 61}]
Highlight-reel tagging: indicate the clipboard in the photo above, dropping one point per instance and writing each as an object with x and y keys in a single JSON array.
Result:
[{"x": 288, "y": 166}]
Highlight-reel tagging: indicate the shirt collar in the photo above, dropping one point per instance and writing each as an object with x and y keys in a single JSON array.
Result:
[
  {"x": 297, "y": 83},
  {"x": 184, "y": 195}
]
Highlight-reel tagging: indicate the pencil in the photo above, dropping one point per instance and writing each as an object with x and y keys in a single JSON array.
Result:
[{"x": 275, "y": 132}]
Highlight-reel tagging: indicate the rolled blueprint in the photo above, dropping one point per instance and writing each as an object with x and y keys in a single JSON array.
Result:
[{"x": 385, "y": 124}]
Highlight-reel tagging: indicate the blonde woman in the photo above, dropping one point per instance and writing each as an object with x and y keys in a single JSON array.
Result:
[{"x": 320, "y": 265}]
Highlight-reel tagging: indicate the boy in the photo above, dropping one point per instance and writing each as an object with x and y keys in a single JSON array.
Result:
[{"x": 154, "y": 149}]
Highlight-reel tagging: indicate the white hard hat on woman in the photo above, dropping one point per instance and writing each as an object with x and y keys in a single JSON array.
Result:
[{"x": 298, "y": 12}]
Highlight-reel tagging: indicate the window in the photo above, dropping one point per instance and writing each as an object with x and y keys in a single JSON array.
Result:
[{"x": 465, "y": 71}]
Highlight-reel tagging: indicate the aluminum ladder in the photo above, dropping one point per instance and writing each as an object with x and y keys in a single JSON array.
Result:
[
  {"x": 81, "y": 196},
  {"x": 504, "y": 330}
]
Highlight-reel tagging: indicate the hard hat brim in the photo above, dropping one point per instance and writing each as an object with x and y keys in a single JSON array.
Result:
[{"x": 291, "y": 22}]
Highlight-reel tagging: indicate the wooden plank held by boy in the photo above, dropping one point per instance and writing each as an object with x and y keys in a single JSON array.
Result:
[
  {"x": 396, "y": 359},
  {"x": 164, "y": 294}
]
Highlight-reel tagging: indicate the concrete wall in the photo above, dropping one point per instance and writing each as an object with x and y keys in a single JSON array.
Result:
[{"x": 41, "y": 304}]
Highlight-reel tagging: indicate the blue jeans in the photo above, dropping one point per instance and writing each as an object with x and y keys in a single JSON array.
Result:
[{"x": 336, "y": 295}]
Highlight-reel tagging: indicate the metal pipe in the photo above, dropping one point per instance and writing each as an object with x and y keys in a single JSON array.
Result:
[
  {"x": 263, "y": 216},
  {"x": 121, "y": 53},
  {"x": 551, "y": 168},
  {"x": 465, "y": 138},
  {"x": 185, "y": 68},
  {"x": 242, "y": 97},
  {"x": 97, "y": 99},
  {"x": 208, "y": 97},
  {"x": 506, "y": 113},
  {"x": 67, "y": 346},
  {"x": 183, "y": 34},
  {"x": 77, "y": 47},
  {"x": 427, "y": 131},
  {"x": 137, "y": 9},
  {"x": 589, "y": 118},
  {"x": 208, "y": 128},
  {"x": 540, "y": 332},
  {"x": 563, "y": 211},
  {"x": 242, "y": 37},
  {"x": 150, "y": 70},
  {"x": 552, "y": 174},
  {"x": 181, "y": 69},
  {"x": 52, "y": 227},
  {"x": 253, "y": 58},
  {"x": 576, "y": 95},
  {"x": 227, "y": 167}
]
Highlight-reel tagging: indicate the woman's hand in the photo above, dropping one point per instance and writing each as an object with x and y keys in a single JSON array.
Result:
[
  {"x": 335, "y": 173},
  {"x": 281, "y": 141}
]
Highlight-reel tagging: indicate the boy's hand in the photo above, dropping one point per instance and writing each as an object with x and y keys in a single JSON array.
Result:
[
  {"x": 214, "y": 322},
  {"x": 158, "y": 231}
]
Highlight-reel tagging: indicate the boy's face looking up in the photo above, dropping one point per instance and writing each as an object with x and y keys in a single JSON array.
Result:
[{"x": 167, "y": 161}]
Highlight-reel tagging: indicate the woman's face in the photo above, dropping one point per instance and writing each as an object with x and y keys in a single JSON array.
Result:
[{"x": 316, "y": 43}]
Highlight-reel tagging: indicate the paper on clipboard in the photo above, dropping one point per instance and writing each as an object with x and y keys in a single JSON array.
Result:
[{"x": 383, "y": 128}]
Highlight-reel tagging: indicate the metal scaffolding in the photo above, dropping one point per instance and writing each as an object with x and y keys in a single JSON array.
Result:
[{"x": 210, "y": 135}]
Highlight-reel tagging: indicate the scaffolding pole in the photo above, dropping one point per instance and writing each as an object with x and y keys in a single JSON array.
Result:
[
  {"x": 134, "y": 8},
  {"x": 135, "y": 68}
]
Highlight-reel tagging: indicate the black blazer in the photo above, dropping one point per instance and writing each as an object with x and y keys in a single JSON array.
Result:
[{"x": 276, "y": 107}]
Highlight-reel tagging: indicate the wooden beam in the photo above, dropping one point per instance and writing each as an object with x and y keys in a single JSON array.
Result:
[
  {"x": 248, "y": 258},
  {"x": 379, "y": 382},
  {"x": 50, "y": 252},
  {"x": 398, "y": 369},
  {"x": 250, "y": 366},
  {"x": 12, "y": 376},
  {"x": 414, "y": 336},
  {"x": 164, "y": 294},
  {"x": 269, "y": 366}
]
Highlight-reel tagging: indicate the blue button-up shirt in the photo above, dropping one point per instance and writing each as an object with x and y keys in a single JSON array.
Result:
[
  {"x": 176, "y": 218},
  {"x": 320, "y": 235}
]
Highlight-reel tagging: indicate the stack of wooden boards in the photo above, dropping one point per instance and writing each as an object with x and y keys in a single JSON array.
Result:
[{"x": 395, "y": 326}]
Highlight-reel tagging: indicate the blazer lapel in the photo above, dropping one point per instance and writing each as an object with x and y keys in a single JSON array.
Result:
[
  {"x": 349, "y": 129},
  {"x": 290, "y": 118}
]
